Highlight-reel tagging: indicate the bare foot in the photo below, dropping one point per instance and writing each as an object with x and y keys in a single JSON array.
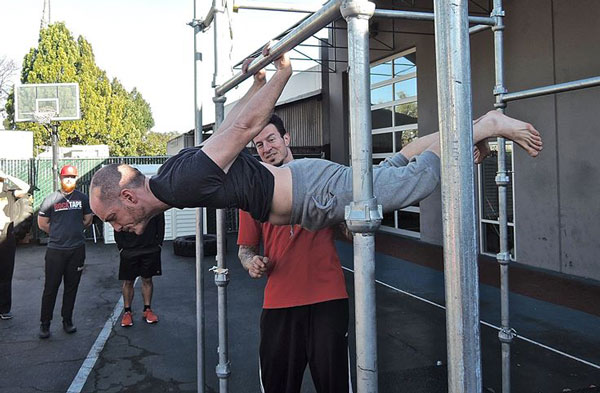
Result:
[
  {"x": 524, "y": 134},
  {"x": 481, "y": 151}
]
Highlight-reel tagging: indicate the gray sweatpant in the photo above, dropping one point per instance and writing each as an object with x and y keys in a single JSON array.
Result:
[{"x": 322, "y": 189}]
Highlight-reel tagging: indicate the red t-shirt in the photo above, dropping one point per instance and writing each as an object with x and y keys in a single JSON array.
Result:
[{"x": 305, "y": 266}]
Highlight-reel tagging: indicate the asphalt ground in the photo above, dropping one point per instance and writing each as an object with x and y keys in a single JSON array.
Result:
[{"x": 162, "y": 357}]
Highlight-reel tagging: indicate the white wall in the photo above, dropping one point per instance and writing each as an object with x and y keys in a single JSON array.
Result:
[{"x": 16, "y": 145}]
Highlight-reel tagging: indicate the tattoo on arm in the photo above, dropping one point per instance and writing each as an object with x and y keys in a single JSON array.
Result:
[{"x": 246, "y": 253}]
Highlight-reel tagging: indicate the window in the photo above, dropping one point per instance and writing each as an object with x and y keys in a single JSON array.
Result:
[
  {"x": 489, "y": 227},
  {"x": 394, "y": 124}
]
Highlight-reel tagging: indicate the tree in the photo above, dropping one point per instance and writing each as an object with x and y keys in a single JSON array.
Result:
[
  {"x": 109, "y": 113},
  {"x": 8, "y": 69},
  {"x": 155, "y": 143}
]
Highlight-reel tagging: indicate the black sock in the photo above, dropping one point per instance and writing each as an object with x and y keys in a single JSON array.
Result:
[
  {"x": 127, "y": 309},
  {"x": 146, "y": 306}
]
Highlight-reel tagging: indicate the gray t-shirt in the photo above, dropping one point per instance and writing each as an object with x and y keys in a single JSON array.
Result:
[{"x": 66, "y": 218}]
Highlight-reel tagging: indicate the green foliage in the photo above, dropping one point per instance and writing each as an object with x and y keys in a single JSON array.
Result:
[
  {"x": 109, "y": 113},
  {"x": 155, "y": 143}
]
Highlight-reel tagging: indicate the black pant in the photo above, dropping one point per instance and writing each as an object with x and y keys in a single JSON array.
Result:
[
  {"x": 316, "y": 334},
  {"x": 62, "y": 265},
  {"x": 7, "y": 267}
]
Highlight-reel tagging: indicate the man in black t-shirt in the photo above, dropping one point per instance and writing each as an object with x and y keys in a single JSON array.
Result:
[
  {"x": 140, "y": 257},
  {"x": 310, "y": 192},
  {"x": 64, "y": 214}
]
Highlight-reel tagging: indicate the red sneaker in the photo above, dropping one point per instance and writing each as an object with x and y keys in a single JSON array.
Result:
[
  {"x": 149, "y": 316},
  {"x": 127, "y": 320}
]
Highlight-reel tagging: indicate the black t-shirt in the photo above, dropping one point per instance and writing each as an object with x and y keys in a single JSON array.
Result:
[
  {"x": 149, "y": 241},
  {"x": 66, "y": 218},
  {"x": 192, "y": 179}
]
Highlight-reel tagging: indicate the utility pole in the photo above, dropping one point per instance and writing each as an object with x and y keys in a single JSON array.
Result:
[{"x": 45, "y": 21}]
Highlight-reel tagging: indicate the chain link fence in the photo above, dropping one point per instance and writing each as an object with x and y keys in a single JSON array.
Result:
[{"x": 38, "y": 173}]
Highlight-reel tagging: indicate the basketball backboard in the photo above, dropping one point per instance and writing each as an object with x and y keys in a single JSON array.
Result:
[{"x": 60, "y": 101}]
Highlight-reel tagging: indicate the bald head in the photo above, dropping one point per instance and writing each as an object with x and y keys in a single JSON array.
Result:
[
  {"x": 120, "y": 196},
  {"x": 108, "y": 182}
]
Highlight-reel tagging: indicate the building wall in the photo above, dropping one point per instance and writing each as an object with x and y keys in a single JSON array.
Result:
[
  {"x": 16, "y": 145},
  {"x": 556, "y": 194},
  {"x": 303, "y": 120}
]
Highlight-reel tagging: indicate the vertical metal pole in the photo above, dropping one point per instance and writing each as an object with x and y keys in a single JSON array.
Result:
[
  {"x": 199, "y": 211},
  {"x": 458, "y": 195},
  {"x": 223, "y": 369},
  {"x": 363, "y": 216},
  {"x": 55, "y": 150},
  {"x": 506, "y": 334}
]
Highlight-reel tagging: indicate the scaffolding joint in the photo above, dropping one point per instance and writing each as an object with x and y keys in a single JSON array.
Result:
[
  {"x": 360, "y": 9},
  {"x": 221, "y": 276},
  {"x": 503, "y": 258},
  {"x": 219, "y": 99},
  {"x": 364, "y": 216},
  {"x": 500, "y": 105},
  {"x": 502, "y": 179},
  {"x": 198, "y": 24},
  {"x": 499, "y": 89},
  {"x": 223, "y": 370},
  {"x": 506, "y": 335},
  {"x": 498, "y": 12}
]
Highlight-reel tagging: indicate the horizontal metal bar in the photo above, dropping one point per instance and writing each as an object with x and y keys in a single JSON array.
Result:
[
  {"x": 312, "y": 24},
  {"x": 271, "y": 6},
  {"x": 205, "y": 23},
  {"x": 477, "y": 28},
  {"x": 482, "y": 20},
  {"x": 559, "y": 88}
]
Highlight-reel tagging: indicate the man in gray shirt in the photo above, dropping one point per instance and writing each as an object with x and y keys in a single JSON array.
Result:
[
  {"x": 63, "y": 215},
  {"x": 10, "y": 216}
]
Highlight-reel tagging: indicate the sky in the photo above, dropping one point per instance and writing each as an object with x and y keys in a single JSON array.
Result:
[{"x": 148, "y": 45}]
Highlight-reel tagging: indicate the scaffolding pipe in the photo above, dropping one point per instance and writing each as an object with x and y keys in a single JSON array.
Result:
[
  {"x": 506, "y": 334},
  {"x": 559, "y": 88},
  {"x": 308, "y": 27},
  {"x": 458, "y": 195},
  {"x": 477, "y": 28},
  {"x": 223, "y": 369},
  {"x": 199, "y": 213},
  {"x": 412, "y": 15},
  {"x": 272, "y": 6},
  {"x": 363, "y": 216}
]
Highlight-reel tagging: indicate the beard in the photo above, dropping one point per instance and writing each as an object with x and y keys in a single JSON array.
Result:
[
  {"x": 138, "y": 216},
  {"x": 68, "y": 188}
]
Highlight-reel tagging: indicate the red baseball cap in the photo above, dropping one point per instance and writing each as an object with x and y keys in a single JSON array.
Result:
[{"x": 68, "y": 170}]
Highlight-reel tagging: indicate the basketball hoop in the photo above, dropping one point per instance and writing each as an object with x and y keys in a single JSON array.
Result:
[{"x": 44, "y": 117}]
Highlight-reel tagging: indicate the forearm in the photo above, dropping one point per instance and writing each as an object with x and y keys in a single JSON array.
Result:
[
  {"x": 419, "y": 145},
  {"x": 19, "y": 183},
  {"x": 245, "y": 254}
]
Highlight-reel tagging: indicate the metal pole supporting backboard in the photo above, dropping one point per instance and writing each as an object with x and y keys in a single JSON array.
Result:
[
  {"x": 55, "y": 155},
  {"x": 458, "y": 195}
]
